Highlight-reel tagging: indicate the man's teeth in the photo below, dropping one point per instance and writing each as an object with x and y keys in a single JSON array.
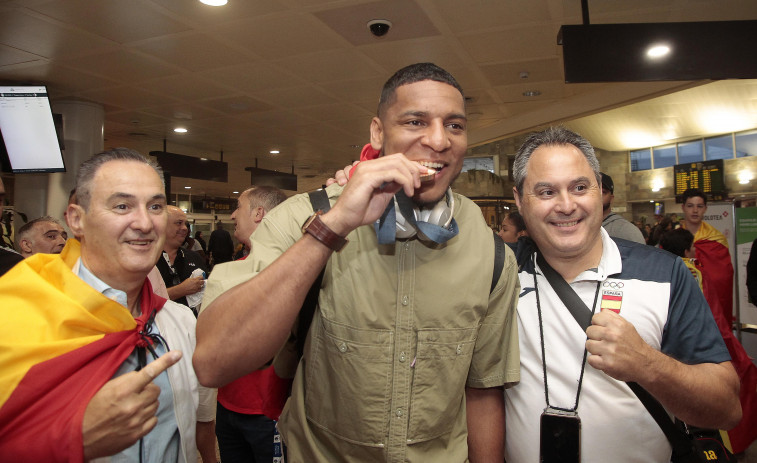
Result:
[
  {"x": 567, "y": 224},
  {"x": 431, "y": 169}
]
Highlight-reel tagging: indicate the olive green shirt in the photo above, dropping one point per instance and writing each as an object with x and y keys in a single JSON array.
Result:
[{"x": 400, "y": 332}]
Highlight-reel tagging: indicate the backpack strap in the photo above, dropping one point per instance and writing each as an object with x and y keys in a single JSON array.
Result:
[
  {"x": 499, "y": 260},
  {"x": 319, "y": 199}
]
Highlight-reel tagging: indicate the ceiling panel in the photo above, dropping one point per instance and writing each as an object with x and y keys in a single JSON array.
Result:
[{"x": 305, "y": 75}]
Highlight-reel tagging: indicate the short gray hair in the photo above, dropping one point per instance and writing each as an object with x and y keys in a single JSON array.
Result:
[
  {"x": 266, "y": 196},
  {"x": 89, "y": 168},
  {"x": 28, "y": 226},
  {"x": 552, "y": 136}
]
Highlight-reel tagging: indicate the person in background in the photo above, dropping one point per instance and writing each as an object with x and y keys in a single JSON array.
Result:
[
  {"x": 712, "y": 251},
  {"x": 8, "y": 256},
  {"x": 104, "y": 382},
  {"x": 183, "y": 271},
  {"x": 680, "y": 242},
  {"x": 409, "y": 347},
  {"x": 665, "y": 225},
  {"x": 43, "y": 234},
  {"x": 616, "y": 226},
  {"x": 512, "y": 227},
  {"x": 751, "y": 273},
  {"x": 248, "y": 407},
  {"x": 220, "y": 245},
  {"x": 649, "y": 323},
  {"x": 201, "y": 240}
]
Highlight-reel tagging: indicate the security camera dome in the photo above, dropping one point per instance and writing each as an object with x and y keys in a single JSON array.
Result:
[{"x": 379, "y": 27}]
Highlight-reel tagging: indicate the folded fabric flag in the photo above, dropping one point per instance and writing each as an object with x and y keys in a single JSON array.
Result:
[{"x": 59, "y": 343}]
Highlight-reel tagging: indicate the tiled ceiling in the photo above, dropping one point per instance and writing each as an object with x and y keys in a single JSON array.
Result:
[{"x": 303, "y": 76}]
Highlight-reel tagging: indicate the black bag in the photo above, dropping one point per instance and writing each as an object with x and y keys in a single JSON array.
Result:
[
  {"x": 707, "y": 446},
  {"x": 690, "y": 445}
]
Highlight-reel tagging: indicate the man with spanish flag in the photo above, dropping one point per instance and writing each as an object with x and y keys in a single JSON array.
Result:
[
  {"x": 717, "y": 275},
  {"x": 86, "y": 370},
  {"x": 712, "y": 251}
]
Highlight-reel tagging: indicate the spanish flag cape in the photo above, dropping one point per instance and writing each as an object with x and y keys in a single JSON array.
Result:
[
  {"x": 717, "y": 275},
  {"x": 712, "y": 251},
  {"x": 60, "y": 341}
]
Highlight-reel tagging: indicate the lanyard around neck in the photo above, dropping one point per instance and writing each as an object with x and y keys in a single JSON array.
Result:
[{"x": 544, "y": 357}]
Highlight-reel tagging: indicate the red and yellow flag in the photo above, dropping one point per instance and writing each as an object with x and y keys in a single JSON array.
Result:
[{"x": 60, "y": 341}]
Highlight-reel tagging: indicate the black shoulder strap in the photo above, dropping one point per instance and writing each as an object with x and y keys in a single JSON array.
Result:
[
  {"x": 499, "y": 259},
  {"x": 680, "y": 443},
  {"x": 319, "y": 199}
]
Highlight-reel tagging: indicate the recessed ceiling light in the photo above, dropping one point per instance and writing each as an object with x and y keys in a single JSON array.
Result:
[
  {"x": 187, "y": 187},
  {"x": 658, "y": 51},
  {"x": 180, "y": 130},
  {"x": 203, "y": 159},
  {"x": 531, "y": 93},
  {"x": 214, "y": 2},
  {"x": 235, "y": 192},
  {"x": 274, "y": 151}
]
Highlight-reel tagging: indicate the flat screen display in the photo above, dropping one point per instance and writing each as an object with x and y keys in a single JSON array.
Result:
[{"x": 28, "y": 130}]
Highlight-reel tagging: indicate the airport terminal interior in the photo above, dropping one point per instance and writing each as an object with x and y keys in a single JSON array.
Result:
[{"x": 282, "y": 92}]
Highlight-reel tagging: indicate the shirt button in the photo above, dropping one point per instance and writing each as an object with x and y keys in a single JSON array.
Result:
[
  {"x": 459, "y": 349},
  {"x": 402, "y": 356},
  {"x": 399, "y": 412},
  {"x": 405, "y": 300},
  {"x": 342, "y": 347}
]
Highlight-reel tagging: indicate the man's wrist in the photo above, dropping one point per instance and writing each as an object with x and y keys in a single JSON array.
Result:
[
  {"x": 319, "y": 230},
  {"x": 330, "y": 220}
]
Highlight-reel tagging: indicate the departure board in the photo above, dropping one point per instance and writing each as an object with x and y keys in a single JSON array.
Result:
[{"x": 707, "y": 176}]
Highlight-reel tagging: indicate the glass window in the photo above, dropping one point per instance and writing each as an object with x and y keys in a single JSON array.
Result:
[
  {"x": 665, "y": 156},
  {"x": 641, "y": 159},
  {"x": 719, "y": 147},
  {"x": 746, "y": 144},
  {"x": 691, "y": 151}
]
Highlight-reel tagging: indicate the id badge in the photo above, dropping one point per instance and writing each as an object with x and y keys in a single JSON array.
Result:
[{"x": 560, "y": 437}]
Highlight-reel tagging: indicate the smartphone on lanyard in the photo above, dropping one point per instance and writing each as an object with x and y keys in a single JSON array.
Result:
[{"x": 560, "y": 437}]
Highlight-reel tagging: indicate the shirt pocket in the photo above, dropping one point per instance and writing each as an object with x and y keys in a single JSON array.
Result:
[
  {"x": 349, "y": 382},
  {"x": 441, "y": 369}
]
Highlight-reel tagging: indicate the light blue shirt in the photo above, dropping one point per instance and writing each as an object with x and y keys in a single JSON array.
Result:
[{"x": 162, "y": 444}]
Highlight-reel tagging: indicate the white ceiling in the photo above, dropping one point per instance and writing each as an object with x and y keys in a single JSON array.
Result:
[{"x": 303, "y": 76}]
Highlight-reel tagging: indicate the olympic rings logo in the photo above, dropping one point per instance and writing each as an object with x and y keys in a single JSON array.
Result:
[{"x": 613, "y": 284}]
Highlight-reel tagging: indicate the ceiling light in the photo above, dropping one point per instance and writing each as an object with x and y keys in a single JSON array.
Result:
[
  {"x": 658, "y": 51},
  {"x": 235, "y": 192},
  {"x": 274, "y": 151},
  {"x": 531, "y": 93},
  {"x": 214, "y": 2},
  {"x": 180, "y": 130},
  {"x": 187, "y": 187},
  {"x": 203, "y": 159}
]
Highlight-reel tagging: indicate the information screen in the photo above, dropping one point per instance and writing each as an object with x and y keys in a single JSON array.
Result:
[
  {"x": 707, "y": 176},
  {"x": 28, "y": 130}
]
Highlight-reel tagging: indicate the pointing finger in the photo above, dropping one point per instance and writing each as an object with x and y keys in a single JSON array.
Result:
[{"x": 157, "y": 366}]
